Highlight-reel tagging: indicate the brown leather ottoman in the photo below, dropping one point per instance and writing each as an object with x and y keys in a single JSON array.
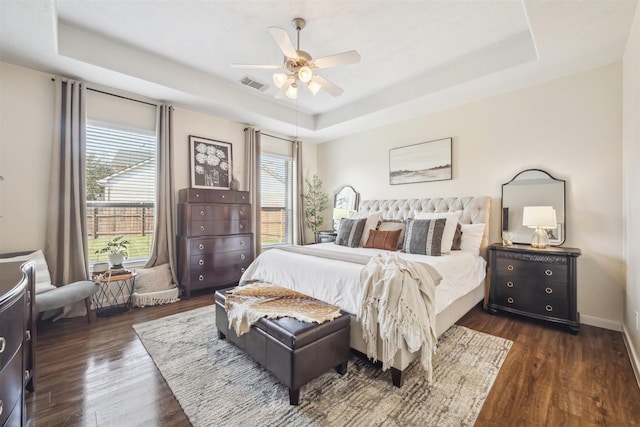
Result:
[{"x": 294, "y": 351}]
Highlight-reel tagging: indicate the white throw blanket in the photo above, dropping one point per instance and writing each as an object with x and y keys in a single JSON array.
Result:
[{"x": 398, "y": 301}]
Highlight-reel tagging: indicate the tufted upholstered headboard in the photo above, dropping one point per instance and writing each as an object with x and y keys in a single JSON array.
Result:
[{"x": 475, "y": 210}]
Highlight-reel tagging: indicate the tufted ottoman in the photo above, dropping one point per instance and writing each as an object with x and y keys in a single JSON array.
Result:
[{"x": 294, "y": 351}]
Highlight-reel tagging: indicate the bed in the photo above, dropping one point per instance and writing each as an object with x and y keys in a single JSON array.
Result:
[{"x": 337, "y": 282}]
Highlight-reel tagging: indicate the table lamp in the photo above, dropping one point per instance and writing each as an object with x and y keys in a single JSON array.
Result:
[
  {"x": 338, "y": 214},
  {"x": 540, "y": 218}
]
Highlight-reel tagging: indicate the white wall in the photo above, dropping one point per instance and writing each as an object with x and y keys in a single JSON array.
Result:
[
  {"x": 631, "y": 177},
  {"x": 570, "y": 127},
  {"x": 26, "y": 133}
]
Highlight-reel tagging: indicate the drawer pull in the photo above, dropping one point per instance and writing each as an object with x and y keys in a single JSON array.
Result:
[
  {"x": 243, "y": 269},
  {"x": 510, "y": 267},
  {"x": 202, "y": 213},
  {"x": 27, "y": 335},
  {"x": 202, "y": 227},
  {"x": 3, "y": 344},
  {"x": 201, "y": 246},
  {"x": 28, "y": 297},
  {"x": 510, "y": 300},
  {"x": 241, "y": 242},
  {"x": 548, "y": 273},
  {"x": 222, "y": 196},
  {"x": 197, "y": 195},
  {"x": 27, "y": 375},
  {"x": 548, "y": 290},
  {"x": 509, "y": 284},
  {"x": 201, "y": 277},
  {"x": 548, "y": 308},
  {"x": 241, "y": 226},
  {"x": 1, "y": 407},
  {"x": 241, "y": 213},
  {"x": 242, "y": 256},
  {"x": 201, "y": 262}
]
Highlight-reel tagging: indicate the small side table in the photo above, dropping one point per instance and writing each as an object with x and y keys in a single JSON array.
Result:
[
  {"x": 114, "y": 294},
  {"x": 326, "y": 236}
]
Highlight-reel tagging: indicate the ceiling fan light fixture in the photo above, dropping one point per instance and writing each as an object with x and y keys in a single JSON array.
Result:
[
  {"x": 292, "y": 92},
  {"x": 305, "y": 74},
  {"x": 279, "y": 79},
  {"x": 314, "y": 87}
]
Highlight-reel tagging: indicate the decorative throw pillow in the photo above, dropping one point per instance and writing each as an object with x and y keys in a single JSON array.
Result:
[
  {"x": 391, "y": 225},
  {"x": 472, "y": 238},
  {"x": 424, "y": 236},
  {"x": 457, "y": 238},
  {"x": 371, "y": 224},
  {"x": 387, "y": 240},
  {"x": 43, "y": 277},
  {"x": 350, "y": 232},
  {"x": 154, "y": 286},
  {"x": 450, "y": 228}
]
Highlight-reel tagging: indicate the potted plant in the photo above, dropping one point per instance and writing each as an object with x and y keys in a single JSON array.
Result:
[
  {"x": 315, "y": 202},
  {"x": 118, "y": 250}
]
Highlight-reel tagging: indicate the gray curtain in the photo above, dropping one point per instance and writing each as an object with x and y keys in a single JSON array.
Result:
[
  {"x": 164, "y": 237},
  {"x": 299, "y": 235},
  {"x": 252, "y": 176},
  {"x": 66, "y": 230}
]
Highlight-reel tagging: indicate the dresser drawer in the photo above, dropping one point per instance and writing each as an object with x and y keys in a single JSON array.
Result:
[
  {"x": 200, "y": 195},
  {"x": 214, "y": 212},
  {"x": 12, "y": 324},
  {"x": 217, "y": 228},
  {"x": 204, "y": 262},
  {"x": 532, "y": 269},
  {"x": 207, "y": 245},
  {"x": 528, "y": 287},
  {"x": 11, "y": 383},
  {"x": 219, "y": 276}
]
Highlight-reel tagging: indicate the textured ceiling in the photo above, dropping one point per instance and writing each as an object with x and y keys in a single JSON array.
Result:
[{"x": 417, "y": 56}]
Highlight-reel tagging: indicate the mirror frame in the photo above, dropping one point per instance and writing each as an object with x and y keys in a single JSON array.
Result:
[
  {"x": 335, "y": 200},
  {"x": 561, "y": 219}
]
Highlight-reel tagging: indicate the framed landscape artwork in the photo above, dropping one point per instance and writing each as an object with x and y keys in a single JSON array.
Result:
[
  {"x": 427, "y": 161},
  {"x": 210, "y": 163}
]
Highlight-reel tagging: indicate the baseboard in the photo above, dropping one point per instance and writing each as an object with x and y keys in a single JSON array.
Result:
[
  {"x": 633, "y": 356},
  {"x": 601, "y": 323}
]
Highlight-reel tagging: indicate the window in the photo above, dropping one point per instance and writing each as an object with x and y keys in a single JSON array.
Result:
[
  {"x": 276, "y": 180},
  {"x": 120, "y": 174}
]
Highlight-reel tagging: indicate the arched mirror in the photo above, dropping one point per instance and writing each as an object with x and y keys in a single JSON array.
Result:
[
  {"x": 532, "y": 187},
  {"x": 345, "y": 200}
]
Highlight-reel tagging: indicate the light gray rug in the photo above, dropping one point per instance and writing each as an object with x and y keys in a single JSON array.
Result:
[{"x": 217, "y": 384}]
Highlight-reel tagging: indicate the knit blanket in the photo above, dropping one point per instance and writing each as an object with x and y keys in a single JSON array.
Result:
[
  {"x": 247, "y": 304},
  {"x": 398, "y": 302}
]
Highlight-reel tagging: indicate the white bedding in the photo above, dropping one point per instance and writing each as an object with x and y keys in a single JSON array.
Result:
[{"x": 338, "y": 282}]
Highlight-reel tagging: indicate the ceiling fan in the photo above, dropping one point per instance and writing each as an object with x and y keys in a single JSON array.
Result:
[{"x": 300, "y": 66}]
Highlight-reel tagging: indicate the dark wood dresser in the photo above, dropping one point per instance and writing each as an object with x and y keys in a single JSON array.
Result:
[
  {"x": 17, "y": 340},
  {"x": 538, "y": 283},
  {"x": 215, "y": 242}
]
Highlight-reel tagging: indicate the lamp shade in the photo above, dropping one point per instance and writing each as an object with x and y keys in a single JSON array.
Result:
[
  {"x": 339, "y": 213},
  {"x": 305, "y": 74},
  {"x": 314, "y": 86},
  {"x": 279, "y": 79},
  {"x": 539, "y": 217},
  {"x": 292, "y": 92}
]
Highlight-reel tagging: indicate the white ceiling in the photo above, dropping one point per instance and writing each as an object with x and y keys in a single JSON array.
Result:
[{"x": 417, "y": 56}]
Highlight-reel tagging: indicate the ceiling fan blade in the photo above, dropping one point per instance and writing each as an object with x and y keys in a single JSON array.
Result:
[
  {"x": 328, "y": 86},
  {"x": 284, "y": 42},
  {"x": 350, "y": 57},
  {"x": 260, "y": 66},
  {"x": 283, "y": 90}
]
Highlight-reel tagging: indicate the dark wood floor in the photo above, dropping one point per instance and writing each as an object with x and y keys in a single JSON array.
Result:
[{"x": 101, "y": 375}]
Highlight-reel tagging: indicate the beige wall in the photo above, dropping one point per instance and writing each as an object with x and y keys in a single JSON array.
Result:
[
  {"x": 631, "y": 177},
  {"x": 570, "y": 127}
]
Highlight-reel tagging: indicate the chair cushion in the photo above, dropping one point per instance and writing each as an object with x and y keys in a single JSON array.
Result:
[{"x": 65, "y": 295}]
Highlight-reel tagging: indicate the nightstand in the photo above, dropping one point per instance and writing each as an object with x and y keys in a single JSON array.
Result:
[
  {"x": 537, "y": 283},
  {"x": 326, "y": 236}
]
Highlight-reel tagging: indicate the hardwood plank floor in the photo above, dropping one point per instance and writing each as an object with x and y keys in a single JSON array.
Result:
[{"x": 99, "y": 374}]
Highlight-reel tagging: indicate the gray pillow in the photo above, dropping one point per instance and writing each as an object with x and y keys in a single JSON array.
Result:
[
  {"x": 424, "y": 236},
  {"x": 350, "y": 232}
]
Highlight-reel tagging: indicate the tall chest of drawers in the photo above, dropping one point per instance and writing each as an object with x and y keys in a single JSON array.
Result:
[
  {"x": 17, "y": 337},
  {"x": 215, "y": 242},
  {"x": 538, "y": 283}
]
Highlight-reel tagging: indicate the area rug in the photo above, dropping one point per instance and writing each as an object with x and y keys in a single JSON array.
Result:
[{"x": 217, "y": 384}]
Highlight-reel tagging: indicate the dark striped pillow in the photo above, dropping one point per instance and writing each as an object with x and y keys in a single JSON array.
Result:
[
  {"x": 350, "y": 232},
  {"x": 424, "y": 236}
]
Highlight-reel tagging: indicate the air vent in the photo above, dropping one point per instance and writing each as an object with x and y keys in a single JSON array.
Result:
[{"x": 248, "y": 81}]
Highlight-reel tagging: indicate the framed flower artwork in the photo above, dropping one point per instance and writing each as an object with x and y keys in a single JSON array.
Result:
[{"x": 210, "y": 163}]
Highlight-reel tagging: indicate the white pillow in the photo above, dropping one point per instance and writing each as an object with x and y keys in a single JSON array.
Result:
[
  {"x": 371, "y": 224},
  {"x": 449, "y": 228},
  {"x": 43, "y": 277},
  {"x": 472, "y": 238}
]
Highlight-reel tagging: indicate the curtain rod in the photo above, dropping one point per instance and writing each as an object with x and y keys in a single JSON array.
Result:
[
  {"x": 277, "y": 137},
  {"x": 53, "y": 79}
]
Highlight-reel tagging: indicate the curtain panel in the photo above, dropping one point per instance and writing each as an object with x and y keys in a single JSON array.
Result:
[
  {"x": 299, "y": 235},
  {"x": 252, "y": 139},
  {"x": 66, "y": 228}
]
